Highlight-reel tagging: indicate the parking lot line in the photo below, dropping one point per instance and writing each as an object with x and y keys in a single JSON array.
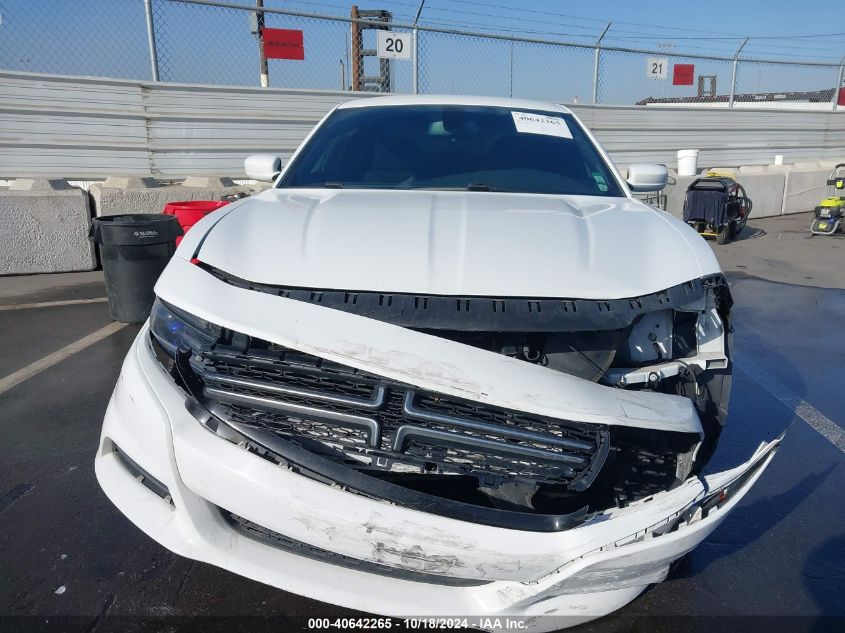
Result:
[
  {"x": 814, "y": 418},
  {"x": 52, "y": 304},
  {"x": 58, "y": 356}
]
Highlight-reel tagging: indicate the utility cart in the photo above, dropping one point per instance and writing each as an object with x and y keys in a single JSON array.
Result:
[{"x": 717, "y": 206}]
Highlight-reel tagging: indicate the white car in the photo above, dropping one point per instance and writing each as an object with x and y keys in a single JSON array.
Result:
[{"x": 446, "y": 366}]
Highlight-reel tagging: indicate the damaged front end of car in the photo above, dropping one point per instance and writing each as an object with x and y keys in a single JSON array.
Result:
[
  {"x": 460, "y": 457},
  {"x": 530, "y": 455}
]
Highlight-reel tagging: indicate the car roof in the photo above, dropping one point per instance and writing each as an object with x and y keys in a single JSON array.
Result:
[{"x": 401, "y": 100}]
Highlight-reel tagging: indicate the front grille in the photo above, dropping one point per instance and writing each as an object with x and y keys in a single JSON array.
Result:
[{"x": 372, "y": 423}]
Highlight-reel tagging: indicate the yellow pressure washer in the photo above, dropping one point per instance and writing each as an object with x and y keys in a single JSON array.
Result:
[{"x": 830, "y": 210}]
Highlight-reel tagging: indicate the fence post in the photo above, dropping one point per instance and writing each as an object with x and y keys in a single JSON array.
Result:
[
  {"x": 835, "y": 105},
  {"x": 596, "y": 64},
  {"x": 151, "y": 38},
  {"x": 263, "y": 68},
  {"x": 415, "y": 61},
  {"x": 510, "y": 90},
  {"x": 733, "y": 73},
  {"x": 733, "y": 84}
]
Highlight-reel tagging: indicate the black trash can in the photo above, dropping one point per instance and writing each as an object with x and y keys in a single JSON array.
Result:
[{"x": 134, "y": 249}]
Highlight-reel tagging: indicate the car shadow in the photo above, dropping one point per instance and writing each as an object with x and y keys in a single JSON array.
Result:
[
  {"x": 750, "y": 233},
  {"x": 747, "y": 523},
  {"x": 824, "y": 579},
  {"x": 754, "y": 416}
]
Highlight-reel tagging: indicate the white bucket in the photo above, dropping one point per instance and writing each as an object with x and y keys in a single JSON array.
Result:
[{"x": 687, "y": 162}]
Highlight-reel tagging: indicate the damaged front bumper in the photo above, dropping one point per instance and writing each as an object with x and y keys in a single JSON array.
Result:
[{"x": 199, "y": 481}]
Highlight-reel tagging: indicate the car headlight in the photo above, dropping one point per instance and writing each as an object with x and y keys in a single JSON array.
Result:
[{"x": 175, "y": 329}]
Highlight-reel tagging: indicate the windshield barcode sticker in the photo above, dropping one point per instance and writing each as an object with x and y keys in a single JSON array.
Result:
[{"x": 530, "y": 123}]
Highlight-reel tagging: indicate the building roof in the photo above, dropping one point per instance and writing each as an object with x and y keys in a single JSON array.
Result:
[{"x": 811, "y": 96}]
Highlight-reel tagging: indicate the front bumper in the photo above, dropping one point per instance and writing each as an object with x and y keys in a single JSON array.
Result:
[{"x": 582, "y": 573}]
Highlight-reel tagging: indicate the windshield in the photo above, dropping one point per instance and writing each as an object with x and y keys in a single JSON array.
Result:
[{"x": 453, "y": 148}]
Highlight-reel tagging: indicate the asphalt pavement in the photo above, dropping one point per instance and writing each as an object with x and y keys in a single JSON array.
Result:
[{"x": 70, "y": 561}]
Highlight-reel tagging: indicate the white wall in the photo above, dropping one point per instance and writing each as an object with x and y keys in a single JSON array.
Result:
[{"x": 90, "y": 128}]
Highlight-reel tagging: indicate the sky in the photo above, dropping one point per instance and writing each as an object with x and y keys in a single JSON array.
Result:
[
  {"x": 643, "y": 23},
  {"x": 200, "y": 44}
]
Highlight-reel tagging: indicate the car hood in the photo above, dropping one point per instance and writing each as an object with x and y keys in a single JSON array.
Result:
[{"x": 452, "y": 243}]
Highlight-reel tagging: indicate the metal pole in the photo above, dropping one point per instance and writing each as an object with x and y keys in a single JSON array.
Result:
[
  {"x": 415, "y": 60},
  {"x": 733, "y": 84},
  {"x": 151, "y": 38},
  {"x": 596, "y": 76},
  {"x": 596, "y": 64},
  {"x": 733, "y": 73},
  {"x": 510, "y": 93},
  {"x": 262, "y": 60},
  {"x": 356, "y": 70}
]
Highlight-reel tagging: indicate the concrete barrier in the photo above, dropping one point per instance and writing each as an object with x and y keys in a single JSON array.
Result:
[
  {"x": 805, "y": 188},
  {"x": 44, "y": 228},
  {"x": 44, "y": 222},
  {"x": 765, "y": 188},
  {"x": 132, "y": 194}
]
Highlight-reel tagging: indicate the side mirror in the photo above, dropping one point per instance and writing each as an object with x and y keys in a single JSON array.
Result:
[
  {"x": 644, "y": 177},
  {"x": 263, "y": 167}
]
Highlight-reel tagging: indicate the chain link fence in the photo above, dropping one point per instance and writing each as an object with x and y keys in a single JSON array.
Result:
[
  {"x": 210, "y": 42},
  {"x": 101, "y": 38},
  {"x": 655, "y": 79},
  {"x": 801, "y": 86},
  {"x": 215, "y": 45}
]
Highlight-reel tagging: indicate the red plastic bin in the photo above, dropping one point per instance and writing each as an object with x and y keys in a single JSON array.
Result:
[{"x": 190, "y": 212}]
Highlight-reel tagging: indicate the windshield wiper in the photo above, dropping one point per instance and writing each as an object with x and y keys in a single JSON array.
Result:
[
  {"x": 473, "y": 186},
  {"x": 479, "y": 186}
]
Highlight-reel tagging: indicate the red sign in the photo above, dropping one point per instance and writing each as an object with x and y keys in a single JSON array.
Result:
[
  {"x": 283, "y": 44},
  {"x": 841, "y": 100},
  {"x": 683, "y": 74}
]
